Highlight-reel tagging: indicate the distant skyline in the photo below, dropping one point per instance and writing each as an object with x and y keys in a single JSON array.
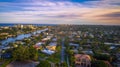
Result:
[{"x": 93, "y": 12}]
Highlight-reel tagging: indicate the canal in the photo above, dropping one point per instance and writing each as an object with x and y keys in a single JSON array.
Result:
[{"x": 20, "y": 37}]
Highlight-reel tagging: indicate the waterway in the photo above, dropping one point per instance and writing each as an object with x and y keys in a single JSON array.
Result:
[{"x": 20, "y": 37}]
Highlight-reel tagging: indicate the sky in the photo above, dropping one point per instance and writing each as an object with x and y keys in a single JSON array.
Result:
[{"x": 95, "y": 12}]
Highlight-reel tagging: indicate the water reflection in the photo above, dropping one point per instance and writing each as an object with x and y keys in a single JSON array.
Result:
[{"x": 21, "y": 37}]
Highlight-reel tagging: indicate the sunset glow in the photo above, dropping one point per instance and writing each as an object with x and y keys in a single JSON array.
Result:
[{"x": 60, "y": 11}]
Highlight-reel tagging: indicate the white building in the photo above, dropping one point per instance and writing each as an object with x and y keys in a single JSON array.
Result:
[{"x": 50, "y": 52}]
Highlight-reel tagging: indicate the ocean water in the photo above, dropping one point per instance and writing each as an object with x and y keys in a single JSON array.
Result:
[
  {"x": 2, "y": 24},
  {"x": 11, "y": 24}
]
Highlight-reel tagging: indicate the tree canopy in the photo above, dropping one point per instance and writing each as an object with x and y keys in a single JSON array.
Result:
[
  {"x": 44, "y": 64},
  {"x": 23, "y": 53}
]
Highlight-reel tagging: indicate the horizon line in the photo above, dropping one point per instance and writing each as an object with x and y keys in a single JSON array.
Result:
[{"x": 64, "y": 24}]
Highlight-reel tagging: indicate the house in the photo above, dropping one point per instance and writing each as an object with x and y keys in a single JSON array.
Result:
[
  {"x": 82, "y": 60},
  {"x": 78, "y": 36},
  {"x": 74, "y": 33},
  {"x": 38, "y": 45},
  {"x": 47, "y": 38},
  {"x": 5, "y": 48},
  {"x": 52, "y": 46},
  {"x": 54, "y": 39},
  {"x": 112, "y": 47},
  {"x": 75, "y": 51},
  {"x": 50, "y": 49},
  {"x": 50, "y": 52},
  {"x": 91, "y": 35},
  {"x": 74, "y": 45},
  {"x": 87, "y": 52},
  {"x": 44, "y": 39},
  {"x": 114, "y": 44}
]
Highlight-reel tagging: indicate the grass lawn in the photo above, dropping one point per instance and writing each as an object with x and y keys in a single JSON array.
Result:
[
  {"x": 42, "y": 55},
  {"x": 54, "y": 58}
]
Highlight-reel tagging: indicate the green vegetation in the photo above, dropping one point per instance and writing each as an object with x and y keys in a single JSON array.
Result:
[
  {"x": 99, "y": 63},
  {"x": 16, "y": 30},
  {"x": 88, "y": 37},
  {"x": 42, "y": 55},
  {"x": 54, "y": 58},
  {"x": 6, "y": 62},
  {"x": 23, "y": 53},
  {"x": 64, "y": 64},
  {"x": 102, "y": 57},
  {"x": 44, "y": 64}
]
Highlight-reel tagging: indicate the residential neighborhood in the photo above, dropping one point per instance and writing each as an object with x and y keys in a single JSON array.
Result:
[
  {"x": 60, "y": 46},
  {"x": 59, "y": 33}
]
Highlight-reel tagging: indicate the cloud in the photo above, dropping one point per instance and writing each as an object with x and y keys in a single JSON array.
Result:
[
  {"x": 65, "y": 16},
  {"x": 60, "y": 11},
  {"x": 110, "y": 17},
  {"x": 113, "y": 14}
]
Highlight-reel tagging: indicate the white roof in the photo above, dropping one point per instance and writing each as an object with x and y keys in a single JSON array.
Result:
[
  {"x": 112, "y": 47},
  {"x": 72, "y": 44},
  {"x": 107, "y": 43},
  {"x": 88, "y": 52},
  {"x": 48, "y": 51},
  {"x": 39, "y": 43},
  {"x": 54, "y": 39},
  {"x": 6, "y": 48},
  {"x": 48, "y": 38},
  {"x": 53, "y": 44}
]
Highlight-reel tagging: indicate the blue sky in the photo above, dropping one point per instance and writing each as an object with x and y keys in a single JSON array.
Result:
[
  {"x": 60, "y": 11},
  {"x": 47, "y": 0}
]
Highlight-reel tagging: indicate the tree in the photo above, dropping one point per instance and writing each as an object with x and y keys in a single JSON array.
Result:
[
  {"x": 72, "y": 59},
  {"x": 64, "y": 64},
  {"x": 57, "y": 64},
  {"x": 102, "y": 57},
  {"x": 33, "y": 53},
  {"x": 23, "y": 53},
  {"x": 70, "y": 52},
  {"x": 99, "y": 63},
  {"x": 44, "y": 64}
]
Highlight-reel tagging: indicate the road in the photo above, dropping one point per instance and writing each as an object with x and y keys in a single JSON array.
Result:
[
  {"x": 68, "y": 61},
  {"x": 63, "y": 51}
]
